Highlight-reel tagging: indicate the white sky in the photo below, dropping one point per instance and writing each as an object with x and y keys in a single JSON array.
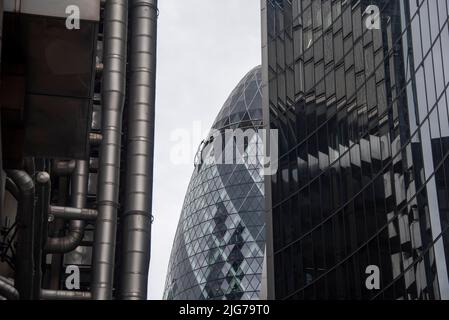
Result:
[{"x": 204, "y": 48}]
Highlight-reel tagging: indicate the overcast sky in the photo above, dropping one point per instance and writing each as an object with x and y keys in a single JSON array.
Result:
[{"x": 204, "y": 48}]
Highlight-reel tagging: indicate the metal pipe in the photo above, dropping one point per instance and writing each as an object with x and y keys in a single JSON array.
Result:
[
  {"x": 95, "y": 139},
  {"x": 63, "y": 168},
  {"x": 25, "y": 242},
  {"x": 113, "y": 96},
  {"x": 1, "y": 146},
  {"x": 99, "y": 69},
  {"x": 136, "y": 219},
  {"x": 56, "y": 271},
  {"x": 7, "y": 289},
  {"x": 72, "y": 240},
  {"x": 65, "y": 295},
  {"x": 69, "y": 213},
  {"x": 43, "y": 190},
  {"x": 1, "y": 29},
  {"x": 12, "y": 188}
]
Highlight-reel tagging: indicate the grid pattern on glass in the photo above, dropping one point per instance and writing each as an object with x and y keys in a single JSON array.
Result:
[
  {"x": 219, "y": 245},
  {"x": 364, "y": 144}
]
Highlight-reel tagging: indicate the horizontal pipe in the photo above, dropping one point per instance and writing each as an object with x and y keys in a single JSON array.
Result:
[
  {"x": 95, "y": 139},
  {"x": 69, "y": 213},
  {"x": 65, "y": 295},
  {"x": 99, "y": 69},
  {"x": 63, "y": 168}
]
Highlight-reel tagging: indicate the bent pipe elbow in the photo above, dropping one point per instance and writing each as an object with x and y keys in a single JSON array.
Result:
[
  {"x": 7, "y": 289},
  {"x": 23, "y": 182},
  {"x": 69, "y": 242},
  {"x": 12, "y": 188}
]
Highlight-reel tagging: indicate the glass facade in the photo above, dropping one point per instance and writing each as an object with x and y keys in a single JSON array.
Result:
[
  {"x": 363, "y": 179},
  {"x": 218, "y": 251}
]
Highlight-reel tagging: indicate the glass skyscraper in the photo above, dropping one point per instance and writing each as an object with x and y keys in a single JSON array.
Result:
[
  {"x": 359, "y": 93},
  {"x": 218, "y": 251}
]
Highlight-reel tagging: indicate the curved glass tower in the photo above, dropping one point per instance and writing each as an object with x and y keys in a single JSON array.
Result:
[{"x": 219, "y": 245}]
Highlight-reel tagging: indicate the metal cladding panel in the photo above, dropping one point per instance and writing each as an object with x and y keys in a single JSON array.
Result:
[
  {"x": 60, "y": 73},
  {"x": 57, "y": 126},
  {"x": 59, "y": 61}
]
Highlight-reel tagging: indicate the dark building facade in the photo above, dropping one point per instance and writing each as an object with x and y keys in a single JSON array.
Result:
[
  {"x": 362, "y": 114},
  {"x": 218, "y": 251}
]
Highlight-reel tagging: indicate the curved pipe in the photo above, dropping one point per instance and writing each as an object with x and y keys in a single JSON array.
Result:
[
  {"x": 69, "y": 242},
  {"x": 7, "y": 289},
  {"x": 73, "y": 239},
  {"x": 12, "y": 188},
  {"x": 136, "y": 218},
  {"x": 113, "y": 96},
  {"x": 25, "y": 267}
]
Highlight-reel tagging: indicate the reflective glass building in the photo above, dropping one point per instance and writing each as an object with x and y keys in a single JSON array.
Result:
[
  {"x": 359, "y": 93},
  {"x": 218, "y": 250}
]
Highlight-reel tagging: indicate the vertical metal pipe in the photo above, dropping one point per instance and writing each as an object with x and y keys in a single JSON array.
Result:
[
  {"x": 1, "y": 146},
  {"x": 43, "y": 189},
  {"x": 1, "y": 28},
  {"x": 136, "y": 219},
  {"x": 113, "y": 96}
]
